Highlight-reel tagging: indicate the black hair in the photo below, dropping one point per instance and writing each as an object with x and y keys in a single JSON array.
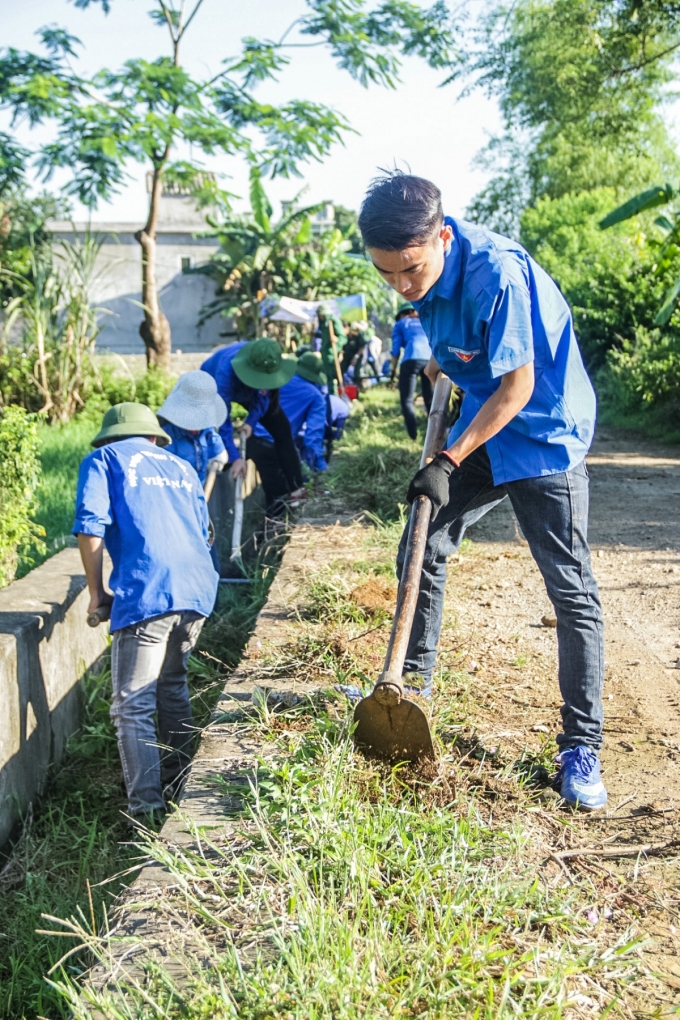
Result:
[{"x": 400, "y": 211}]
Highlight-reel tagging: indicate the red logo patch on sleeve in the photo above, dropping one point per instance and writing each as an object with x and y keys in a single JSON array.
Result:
[{"x": 461, "y": 353}]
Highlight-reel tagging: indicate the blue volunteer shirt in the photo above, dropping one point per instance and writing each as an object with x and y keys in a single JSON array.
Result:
[
  {"x": 230, "y": 388},
  {"x": 148, "y": 506},
  {"x": 491, "y": 311},
  {"x": 196, "y": 449},
  {"x": 304, "y": 405},
  {"x": 409, "y": 335}
]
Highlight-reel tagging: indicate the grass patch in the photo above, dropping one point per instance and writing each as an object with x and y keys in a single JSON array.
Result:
[
  {"x": 375, "y": 460},
  {"x": 352, "y": 890},
  {"x": 62, "y": 448},
  {"x": 79, "y": 836}
]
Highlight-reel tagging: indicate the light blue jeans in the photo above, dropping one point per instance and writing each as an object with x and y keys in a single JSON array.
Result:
[
  {"x": 149, "y": 670},
  {"x": 552, "y": 511}
]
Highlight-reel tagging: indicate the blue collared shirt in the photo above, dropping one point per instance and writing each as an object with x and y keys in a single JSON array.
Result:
[
  {"x": 149, "y": 508},
  {"x": 409, "y": 334},
  {"x": 196, "y": 448},
  {"x": 230, "y": 388},
  {"x": 493, "y": 310},
  {"x": 304, "y": 405}
]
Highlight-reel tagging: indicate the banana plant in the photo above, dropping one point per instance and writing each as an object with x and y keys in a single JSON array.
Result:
[
  {"x": 256, "y": 257},
  {"x": 669, "y": 250}
]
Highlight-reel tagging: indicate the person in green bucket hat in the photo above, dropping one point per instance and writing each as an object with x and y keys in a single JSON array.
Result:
[
  {"x": 310, "y": 367},
  {"x": 250, "y": 373},
  {"x": 130, "y": 419},
  {"x": 146, "y": 507},
  {"x": 303, "y": 400}
]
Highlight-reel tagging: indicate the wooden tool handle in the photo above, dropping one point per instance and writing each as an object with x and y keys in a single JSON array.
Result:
[
  {"x": 209, "y": 483},
  {"x": 390, "y": 686},
  {"x": 336, "y": 359},
  {"x": 100, "y": 615},
  {"x": 237, "y": 528},
  {"x": 437, "y": 420}
]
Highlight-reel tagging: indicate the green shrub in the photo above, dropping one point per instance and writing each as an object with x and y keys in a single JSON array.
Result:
[
  {"x": 641, "y": 380},
  {"x": 19, "y": 476},
  {"x": 153, "y": 387},
  {"x": 606, "y": 276}
]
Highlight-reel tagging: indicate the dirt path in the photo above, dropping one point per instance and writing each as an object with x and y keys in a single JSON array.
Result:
[{"x": 496, "y": 602}]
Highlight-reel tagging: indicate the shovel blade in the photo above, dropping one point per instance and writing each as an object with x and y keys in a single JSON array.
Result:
[{"x": 395, "y": 732}]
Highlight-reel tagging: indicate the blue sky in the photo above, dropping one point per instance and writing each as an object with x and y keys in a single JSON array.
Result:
[{"x": 418, "y": 125}]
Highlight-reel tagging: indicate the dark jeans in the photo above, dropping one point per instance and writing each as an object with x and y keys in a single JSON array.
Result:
[
  {"x": 278, "y": 463},
  {"x": 553, "y": 514},
  {"x": 408, "y": 378},
  {"x": 149, "y": 671}
]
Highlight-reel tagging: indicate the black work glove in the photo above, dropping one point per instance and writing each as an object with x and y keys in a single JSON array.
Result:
[{"x": 433, "y": 481}]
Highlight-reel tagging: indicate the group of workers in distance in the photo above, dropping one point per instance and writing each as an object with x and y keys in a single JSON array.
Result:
[{"x": 477, "y": 308}]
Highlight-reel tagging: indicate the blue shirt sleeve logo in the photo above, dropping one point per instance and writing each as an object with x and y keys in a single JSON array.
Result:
[{"x": 461, "y": 353}]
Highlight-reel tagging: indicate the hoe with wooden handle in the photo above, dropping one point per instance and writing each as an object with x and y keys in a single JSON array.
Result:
[{"x": 388, "y": 725}]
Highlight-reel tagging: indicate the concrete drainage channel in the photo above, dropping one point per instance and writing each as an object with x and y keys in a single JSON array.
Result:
[{"x": 146, "y": 929}]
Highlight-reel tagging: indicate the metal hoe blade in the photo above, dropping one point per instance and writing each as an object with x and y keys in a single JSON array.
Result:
[
  {"x": 388, "y": 725},
  {"x": 397, "y": 732}
]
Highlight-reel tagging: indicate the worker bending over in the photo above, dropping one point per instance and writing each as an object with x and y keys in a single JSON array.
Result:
[
  {"x": 303, "y": 402},
  {"x": 500, "y": 328},
  {"x": 191, "y": 416},
  {"x": 250, "y": 373},
  {"x": 147, "y": 507},
  {"x": 409, "y": 336}
]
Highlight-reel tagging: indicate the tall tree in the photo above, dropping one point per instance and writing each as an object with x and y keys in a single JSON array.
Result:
[
  {"x": 145, "y": 110},
  {"x": 579, "y": 83}
]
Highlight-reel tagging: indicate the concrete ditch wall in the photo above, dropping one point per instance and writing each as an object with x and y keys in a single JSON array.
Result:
[{"x": 45, "y": 649}]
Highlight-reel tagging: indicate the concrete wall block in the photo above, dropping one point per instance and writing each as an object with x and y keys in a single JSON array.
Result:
[{"x": 45, "y": 648}]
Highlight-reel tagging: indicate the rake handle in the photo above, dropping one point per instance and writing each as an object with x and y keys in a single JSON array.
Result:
[{"x": 390, "y": 687}]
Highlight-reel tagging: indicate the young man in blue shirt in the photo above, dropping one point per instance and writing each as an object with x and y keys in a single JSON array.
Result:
[
  {"x": 146, "y": 506},
  {"x": 409, "y": 336},
  {"x": 499, "y": 326}
]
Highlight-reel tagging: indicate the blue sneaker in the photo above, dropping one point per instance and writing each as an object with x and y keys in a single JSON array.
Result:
[
  {"x": 423, "y": 688},
  {"x": 579, "y": 780},
  {"x": 351, "y": 691}
]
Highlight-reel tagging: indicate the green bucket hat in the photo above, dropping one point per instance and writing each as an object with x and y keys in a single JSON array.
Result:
[
  {"x": 310, "y": 367},
  {"x": 405, "y": 306},
  {"x": 127, "y": 420},
  {"x": 262, "y": 365}
]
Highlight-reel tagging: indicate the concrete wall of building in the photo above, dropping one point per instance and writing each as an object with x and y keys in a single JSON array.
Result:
[{"x": 117, "y": 283}]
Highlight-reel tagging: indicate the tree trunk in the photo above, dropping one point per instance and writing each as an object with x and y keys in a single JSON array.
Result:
[{"x": 155, "y": 328}]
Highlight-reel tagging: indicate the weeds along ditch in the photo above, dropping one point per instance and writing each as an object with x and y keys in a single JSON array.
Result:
[
  {"x": 74, "y": 853},
  {"x": 343, "y": 889}
]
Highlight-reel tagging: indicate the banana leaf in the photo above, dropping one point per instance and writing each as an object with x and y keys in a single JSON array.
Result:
[
  {"x": 658, "y": 195},
  {"x": 666, "y": 310}
]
